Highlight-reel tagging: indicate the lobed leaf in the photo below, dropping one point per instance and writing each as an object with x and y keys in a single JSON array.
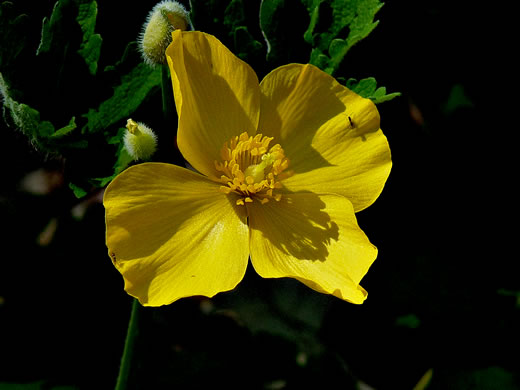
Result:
[
  {"x": 65, "y": 130},
  {"x": 42, "y": 134},
  {"x": 55, "y": 37},
  {"x": 367, "y": 88},
  {"x": 90, "y": 48},
  {"x": 134, "y": 87},
  {"x": 337, "y": 25}
]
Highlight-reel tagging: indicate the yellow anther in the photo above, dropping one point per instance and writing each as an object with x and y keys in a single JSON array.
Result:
[
  {"x": 251, "y": 169},
  {"x": 239, "y": 175},
  {"x": 225, "y": 190}
]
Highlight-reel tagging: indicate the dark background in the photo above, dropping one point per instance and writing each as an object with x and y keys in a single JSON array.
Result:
[{"x": 443, "y": 293}]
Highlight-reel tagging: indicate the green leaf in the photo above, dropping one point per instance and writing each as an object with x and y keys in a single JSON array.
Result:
[
  {"x": 362, "y": 23},
  {"x": 335, "y": 26},
  {"x": 287, "y": 309},
  {"x": 123, "y": 159},
  {"x": 321, "y": 61},
  {"x": 23, "y": 117},
  {"x": 67, "y": 38},
  {"x": 90, "y": 48},
  {"x": 134, "y": 87},
  {"x": 44, "y": 129},
  {"x": 408, "y": 321},
  {"x": 230, "y": 21},
  {"x": 14, "y": 37},
  {"x": 313, "y": 9},
  {"x": 271, "y": 24},
  {"x": 78, "y": 191},
  {"x": 65, "y": 130},
  {"x": 54, "y": 37},
  {"x": 337, "y": 47},
  {"x": 234, "y": 15},
  {"x": 367, "y": 88},
  {"x": 245, "y": 46},
  {"x": 283, "y": 24},
  {"x": 42, "y": 134},
  {"x": 456, "y": 100}
]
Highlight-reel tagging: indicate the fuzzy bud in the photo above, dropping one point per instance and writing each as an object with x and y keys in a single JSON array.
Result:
[
  {"x": 140, "y": 141},
  {"x": 165, "y": 17}
]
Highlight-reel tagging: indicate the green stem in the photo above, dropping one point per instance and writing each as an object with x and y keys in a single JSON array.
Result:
[{"x": 131, "y": 336}]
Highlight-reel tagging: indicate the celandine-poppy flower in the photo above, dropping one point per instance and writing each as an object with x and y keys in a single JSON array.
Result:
[{"x": 284, "y": 165}]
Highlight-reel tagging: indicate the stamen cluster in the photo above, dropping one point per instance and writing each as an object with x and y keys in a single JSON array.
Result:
[{"x": 252, "y": 170}]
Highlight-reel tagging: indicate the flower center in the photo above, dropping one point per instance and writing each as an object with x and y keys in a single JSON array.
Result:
[{"x": 252, "y": 170}]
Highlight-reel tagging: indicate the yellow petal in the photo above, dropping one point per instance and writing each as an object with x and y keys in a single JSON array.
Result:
[
  {"x": 330, "y": 134},
  {"x": 312, "y": 238},
  {"x": 172, "y": 234},
  {"x": 217, "y": 97},
  {"x": 360, "y": 174}
]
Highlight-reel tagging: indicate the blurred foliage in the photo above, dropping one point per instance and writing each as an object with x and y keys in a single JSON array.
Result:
[
  {"x": 63, "y": 81},
  {"x": 443, "y": 306},
  {"x": 65, "y": 64}
]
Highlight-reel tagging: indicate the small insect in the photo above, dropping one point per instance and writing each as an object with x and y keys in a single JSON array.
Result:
[
  {"x": 113, "y": 256},
  {"x": 350, "y": 122}
]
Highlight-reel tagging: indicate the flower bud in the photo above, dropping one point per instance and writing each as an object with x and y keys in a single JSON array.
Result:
[
  {"x": 140, "y": 141},
  {"x": 165, "y": 17}
]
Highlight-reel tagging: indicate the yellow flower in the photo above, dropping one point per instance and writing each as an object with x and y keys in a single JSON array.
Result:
[{"x": 284, "y": 165}]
